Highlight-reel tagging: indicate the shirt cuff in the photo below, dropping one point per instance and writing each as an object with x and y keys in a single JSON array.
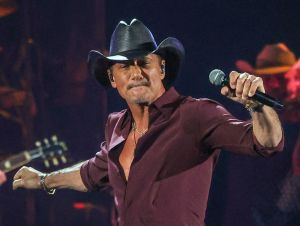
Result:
[
  {"x": 268, "y": 151},
  {"x": 84, "y": 176}
]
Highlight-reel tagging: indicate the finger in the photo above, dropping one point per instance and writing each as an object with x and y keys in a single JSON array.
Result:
[
  {"x": 225, "y": 91},
  {"x": 240, "y": 84},
  {"x": 255, "y": 85},
  {"x": 18, "y": 184},
  {"x": 233, "y": 76},
  {"x": 19, "y": 174},
  {"x": 247, "y": 85}
]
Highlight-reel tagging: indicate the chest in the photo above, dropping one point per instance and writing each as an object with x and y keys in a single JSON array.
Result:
[
  {"x": 127, "y": 154},
  {"x": 165, "y": 150}
]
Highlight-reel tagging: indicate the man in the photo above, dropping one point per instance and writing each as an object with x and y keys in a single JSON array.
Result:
[
  {"x": 274, "y": 64},
  {"x": 279, "y": 68},
  {"x": 159, "y": 154}
]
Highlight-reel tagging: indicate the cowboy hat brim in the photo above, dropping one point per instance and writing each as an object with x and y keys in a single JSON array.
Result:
[
  {"x": 170, "y": 49},
  {"x": 244, "y": 66},
  {"x": 272, "y": 70}
]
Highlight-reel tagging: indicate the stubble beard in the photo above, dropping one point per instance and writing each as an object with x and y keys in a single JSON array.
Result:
[{"x": 142, "y": 101}]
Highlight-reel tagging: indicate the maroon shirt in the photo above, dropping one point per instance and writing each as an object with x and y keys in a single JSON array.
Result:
[
  {"x": 296, "y": 158},
  {"x": 171, "y": 173}
]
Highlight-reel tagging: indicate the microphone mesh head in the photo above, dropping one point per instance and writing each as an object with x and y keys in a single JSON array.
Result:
[{"x": 216, "y": 77}]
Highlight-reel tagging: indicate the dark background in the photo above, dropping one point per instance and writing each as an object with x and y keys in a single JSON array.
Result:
[{"x": 214, "y": 33}]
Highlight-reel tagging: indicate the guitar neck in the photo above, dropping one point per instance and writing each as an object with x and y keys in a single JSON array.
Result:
[
  {"x": 18, "y": 160},
  {"x": 48, "y": 152}
]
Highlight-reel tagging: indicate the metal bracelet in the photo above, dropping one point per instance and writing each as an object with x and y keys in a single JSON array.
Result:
[
  {"x": 254, "y": 107},
  {"x": 49, "y": 191}
]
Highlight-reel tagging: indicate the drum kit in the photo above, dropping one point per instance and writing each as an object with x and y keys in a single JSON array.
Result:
[
  {"x": 9, "y": 97},
  {"x": 17, "y": 104}
]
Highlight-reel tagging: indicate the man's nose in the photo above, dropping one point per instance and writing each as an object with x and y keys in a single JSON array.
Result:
[{"x": 136, "y": 71}]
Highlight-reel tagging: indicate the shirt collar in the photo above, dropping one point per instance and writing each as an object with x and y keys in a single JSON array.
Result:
[
  {"x": 164, "y": 104},
  {"x": 168, "y": 97}
]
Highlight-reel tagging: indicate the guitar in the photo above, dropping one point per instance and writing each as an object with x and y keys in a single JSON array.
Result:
[{"x": 51, "y": 152}]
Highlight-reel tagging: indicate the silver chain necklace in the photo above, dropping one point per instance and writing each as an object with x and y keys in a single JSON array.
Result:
[{"x": 139, "y": 132}]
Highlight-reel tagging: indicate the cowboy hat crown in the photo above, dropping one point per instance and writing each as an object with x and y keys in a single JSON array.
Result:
[
  {"x": 133, "y": 41},
  {"x": 272, "y": 59},
  {"x": 130, "y": 40}
]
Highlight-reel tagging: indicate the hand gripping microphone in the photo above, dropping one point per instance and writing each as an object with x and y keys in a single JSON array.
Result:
[{"x": 218, "y": 78}]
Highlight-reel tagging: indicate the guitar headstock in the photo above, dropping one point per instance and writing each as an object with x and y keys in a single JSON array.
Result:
[{"x": 52, "y": 151}]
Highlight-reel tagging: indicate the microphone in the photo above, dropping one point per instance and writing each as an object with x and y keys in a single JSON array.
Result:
[{"x": 218, "y": 78}]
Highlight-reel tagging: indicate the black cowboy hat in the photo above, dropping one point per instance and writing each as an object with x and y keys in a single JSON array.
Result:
[{"x": 133, "y": 41}]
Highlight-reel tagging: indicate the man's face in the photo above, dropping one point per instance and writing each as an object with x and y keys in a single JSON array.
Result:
[
  {"x": 293, "y": 83},
  {"x": 275, "y": 85},
  {"x": 139, "y": 81}
]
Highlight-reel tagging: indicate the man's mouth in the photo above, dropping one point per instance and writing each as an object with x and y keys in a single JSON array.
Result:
[{"x": 144, "y": 83}]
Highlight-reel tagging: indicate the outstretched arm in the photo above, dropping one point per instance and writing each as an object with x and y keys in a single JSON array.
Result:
[
  {"x": 267, "y": 127},
  {"x": 266, "y": 124},
  {"x": 30, "y": 178}
]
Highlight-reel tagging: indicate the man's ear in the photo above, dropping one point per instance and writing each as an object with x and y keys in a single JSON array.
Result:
[
  {"x": 163, "y": 69},
  {"x": 111, "y": 78}
]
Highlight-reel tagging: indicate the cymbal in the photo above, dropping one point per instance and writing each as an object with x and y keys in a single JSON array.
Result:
[{"x": 7, "y": 7}]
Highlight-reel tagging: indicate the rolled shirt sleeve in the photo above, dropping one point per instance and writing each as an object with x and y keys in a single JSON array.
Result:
[
  {"x": 224, "y": 131},
  {"x": 94, "y": 171}
]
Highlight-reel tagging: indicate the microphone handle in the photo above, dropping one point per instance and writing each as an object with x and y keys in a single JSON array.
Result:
[
  {"x": 267, "y": 100},
  {"x": 260, "y": 97}
]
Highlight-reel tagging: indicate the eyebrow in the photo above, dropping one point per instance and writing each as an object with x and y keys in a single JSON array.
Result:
[
  {"x": 147, "y": 57},
  {"x": 130, "y": 61},
  {"x": 144, "y": 58}
]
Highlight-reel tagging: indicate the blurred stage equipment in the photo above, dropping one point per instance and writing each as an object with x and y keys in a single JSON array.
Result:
[
  {"x": 11, "y": 98},
  {"x": 88, "y": 208},
  {"x": 7, "y": 7},
  {"x": 19, "y": 104}
]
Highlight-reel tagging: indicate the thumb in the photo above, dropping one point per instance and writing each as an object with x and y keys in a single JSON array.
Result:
[{"x": 225, "y": 91}]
